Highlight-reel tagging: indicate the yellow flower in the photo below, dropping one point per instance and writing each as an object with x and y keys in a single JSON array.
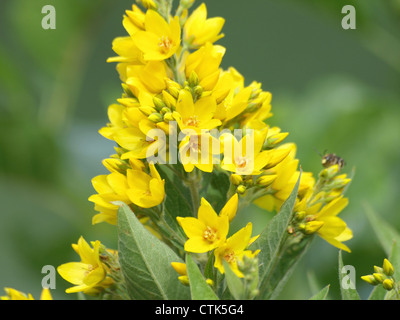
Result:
[
  {"x": 205, "y": 62},
  {"x": 334, "y": 230},
  {"x": 134, "y": 20},
  {"x": 145, "y": 190},
  {"x": 234, "y": 249},
  {"x": 198, "y": 29},
  {"x": 206, "y": 232},
  {"x": 285, "y": 176},
  {"x": 13, "y": 294},
  {"x": 195, "y": 116},
  {"x": 160, "y": 40},
  {"x": 246, "y": 157},
  {"x": 198, "y": 151},
  {"x": 110, "y": 188},
  {"x": 230, "y": 207},
  {"x": 127, "y": 51},
  {"x": 90, "y": 275},
  {"x": 149, "y": 78}
]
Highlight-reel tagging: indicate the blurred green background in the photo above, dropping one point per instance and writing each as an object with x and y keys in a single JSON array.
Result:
[{"x": 333, "y": 89}]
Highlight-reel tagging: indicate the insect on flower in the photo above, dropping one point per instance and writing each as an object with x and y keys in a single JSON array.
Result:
[{"x": 331, "y": 159}]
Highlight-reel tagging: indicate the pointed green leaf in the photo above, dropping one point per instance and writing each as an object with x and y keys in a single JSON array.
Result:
[
  {"x": 385, "y": 233},
  {"x": 322, "y": 294},
  {"x": 199, "y": 288},
  {"x": 235, "y": 284},
  {"x": 349, "y": 293},
  {"x": 146, "y": 261},
  {"x": 277, "y": 260}
]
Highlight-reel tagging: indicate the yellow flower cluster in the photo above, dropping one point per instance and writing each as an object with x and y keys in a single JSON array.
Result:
[{"x": 180, "y": 111}]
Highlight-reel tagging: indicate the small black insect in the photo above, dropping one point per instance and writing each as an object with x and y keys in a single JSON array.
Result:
[{"x": 331, "y": 159}]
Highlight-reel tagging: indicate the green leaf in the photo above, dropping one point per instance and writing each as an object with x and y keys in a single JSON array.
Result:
[
  {"x": 235, "y": 284},
  {"x": 199, "y": 288},
  {"x": 385, "y": 233},
  {"x": 322, "y": 294},
  {"x": 349, "y": 293},
  {"x": 146, "y": 261},
  {"x": 278, "y": 257}
]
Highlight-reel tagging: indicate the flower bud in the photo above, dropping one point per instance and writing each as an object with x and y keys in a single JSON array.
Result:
[
  {"x": 158, "y": 103},
  {"x": 198, "y": 91},
  {"x": 155, "y": 117},
  {"x": 193, "y": 80},
  {"x": 236, "y": 179},
  {"x": 370, "y": 279},
  {"x": 147, "y": 110},
  {"x": 266, "y": 180},
  {"x": 168, "y": 117},
  {"x": 379, "y": 277},
  {"x": 241, "y": 189},
  {"x": 165, "y": 110},
  {"x": 388, "y": 268},
  {"x": 378, "y": 269},
  {"x": 300, "y": 215},
  {"x": 313, "y": 226},
  {"x": 184, "y": 280},
  {"x": 388, "y": 284}
]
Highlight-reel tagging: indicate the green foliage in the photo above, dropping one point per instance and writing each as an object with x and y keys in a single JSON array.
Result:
[
  {"x": 322, "y": 295},
  {"x": 199, "y": 288},
  {"x": 146, "y": 261},
  {"x": 278, "y": 256}
]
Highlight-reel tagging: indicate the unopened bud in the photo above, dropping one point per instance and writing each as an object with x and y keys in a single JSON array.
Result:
[
  {"x": 165, "y": 110},
  {"x": 184, "y": 280},
  {"x": 236, "y": 179},
  {"x": 155, "y": 117},
  {"x": 300, "y": 215},
  {"x": 158, "y": 103},
  {"x": 379, "y": 277},
  {"x": 241, "y": 189},
  {"x": 378, "y": 269},
  {"x": 266, "y": 180},
  {"x": 370, "y": 279},
  {"x": 193, "y": 80},
  {"x": 388, "y": 284},
  {"x": 198, "y": 91},
  {"x": 313, "y": 226},
  {"x": 147, "y": 110},
  {"x": 388, "y": 268},
  {"x": 168, "y": 117}
]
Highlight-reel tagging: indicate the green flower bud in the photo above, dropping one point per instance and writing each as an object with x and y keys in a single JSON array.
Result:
[
  {"x": 158, "y": 103},
  {"x": 193, "y": 79},
  {"x": 155, "y": 117}
]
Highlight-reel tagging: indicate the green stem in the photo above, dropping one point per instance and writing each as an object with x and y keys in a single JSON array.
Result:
[{"x": 194, "y": 183}]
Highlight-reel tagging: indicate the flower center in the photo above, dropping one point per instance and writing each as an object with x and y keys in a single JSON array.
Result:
[
  {"x": 230, "y": 256},
  {"x": 192, "y": 121},
  {"x": 147, "y": 193},
  {"x": 241, "y": 162},
  {"x": 209, "y": 234},
  {"x": 165, "y": 44}
]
